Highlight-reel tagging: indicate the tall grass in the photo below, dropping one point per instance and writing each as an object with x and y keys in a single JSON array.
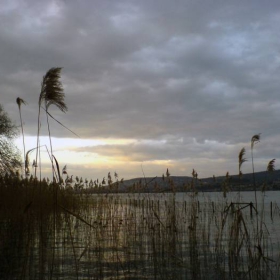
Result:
[
  {"x": 25, "y": 216},
  {"x": 254, "y": 140},
  {"x": 51, "y": 94},
  {"x": 130, "y": 236},
  {"x": 241, "y": 160},
  {"x": 19, "y": 102}
]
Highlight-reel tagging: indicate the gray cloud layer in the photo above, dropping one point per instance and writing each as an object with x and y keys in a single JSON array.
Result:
[{"x": 204, "y": 70}]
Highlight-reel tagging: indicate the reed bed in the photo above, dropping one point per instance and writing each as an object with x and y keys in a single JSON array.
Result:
[
  {"x": 132, "y": 236},
  {"x": 29, "y": 219}
]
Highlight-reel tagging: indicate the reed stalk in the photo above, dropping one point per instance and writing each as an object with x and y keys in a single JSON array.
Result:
[
  {"x": 19, "y": 102},
  {"x": 254, "y": 140},
  {"x": 241, "y": 160}
]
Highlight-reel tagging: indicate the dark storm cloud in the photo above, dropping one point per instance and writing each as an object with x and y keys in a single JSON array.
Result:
[{"x": 204, "y": 70}]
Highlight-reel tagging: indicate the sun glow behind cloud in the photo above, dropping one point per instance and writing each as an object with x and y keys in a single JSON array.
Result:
[
  {"x": 97, "y": 157},
  {"x": 94, "y": 158},
  {"x": 66, "y": 151}
]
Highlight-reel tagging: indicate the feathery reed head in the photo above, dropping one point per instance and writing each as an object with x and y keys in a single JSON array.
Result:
[
  {"x": 64, "y": 170},
  {"x": 255, "y": 139},
  {"x": 52, "y": 90},
  {"x": 241, "y": 157},
  {"x": 20, "y": 101},
  {"x": 167, "y": 173},
  {"x": 271, "y": 166}
]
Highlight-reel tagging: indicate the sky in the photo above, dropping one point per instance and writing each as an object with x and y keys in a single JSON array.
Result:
[{"x": 149, "y": 85}]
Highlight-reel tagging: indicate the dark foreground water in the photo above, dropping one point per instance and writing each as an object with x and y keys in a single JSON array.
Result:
[{"x": 148, "y": 236}]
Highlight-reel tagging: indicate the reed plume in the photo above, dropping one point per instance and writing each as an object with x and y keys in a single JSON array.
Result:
[
  {"x": 255, "y": 139},
  {"x": 241, "y": 160},
  {"x": 54, "y": 95},
  {"x": 271, "y": 166},
  {"x": 51, "y": 94}
]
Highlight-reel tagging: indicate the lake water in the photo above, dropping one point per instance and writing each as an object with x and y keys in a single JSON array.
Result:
[{"x": 159, "y": 236}]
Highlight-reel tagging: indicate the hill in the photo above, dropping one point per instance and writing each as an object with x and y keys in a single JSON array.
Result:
[{"x": 263, "y": 180}]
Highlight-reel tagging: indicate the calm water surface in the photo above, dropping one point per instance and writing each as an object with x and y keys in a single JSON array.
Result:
[{"x": 158, "y": 236}]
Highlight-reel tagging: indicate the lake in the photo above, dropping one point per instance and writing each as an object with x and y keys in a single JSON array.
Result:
[{"x": 155, "y": 236}]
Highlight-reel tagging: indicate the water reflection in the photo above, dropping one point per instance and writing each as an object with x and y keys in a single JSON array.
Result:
[{"x": 147, "y": 236}]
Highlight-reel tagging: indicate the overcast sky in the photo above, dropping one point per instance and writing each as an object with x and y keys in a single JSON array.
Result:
[{"x": 148, "y": 84}]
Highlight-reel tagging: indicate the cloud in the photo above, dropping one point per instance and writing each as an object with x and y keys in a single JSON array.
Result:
[{"x": 148, "y": 70}]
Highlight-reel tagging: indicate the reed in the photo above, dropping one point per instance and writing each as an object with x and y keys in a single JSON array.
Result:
[
  {"x": 254, "y": 140},
  {"x": 241, "y": 160},
  {"x": 51, "y": 94},
  {"x": 19, "y": 102},
  {"x": 132, "y": 236}
]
